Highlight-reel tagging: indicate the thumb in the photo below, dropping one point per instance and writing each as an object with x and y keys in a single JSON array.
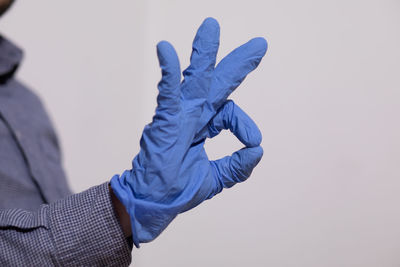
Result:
[{"x": 237, "y": 167}]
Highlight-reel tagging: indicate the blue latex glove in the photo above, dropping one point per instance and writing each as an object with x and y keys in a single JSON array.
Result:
[{"x": 172, "y": 173}]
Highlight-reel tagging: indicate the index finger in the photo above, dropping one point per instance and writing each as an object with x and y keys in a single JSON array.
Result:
[{"x": 234, "y": 68}]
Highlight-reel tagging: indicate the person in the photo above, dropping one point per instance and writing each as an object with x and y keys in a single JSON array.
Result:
[{"x": 43, "y": 224}]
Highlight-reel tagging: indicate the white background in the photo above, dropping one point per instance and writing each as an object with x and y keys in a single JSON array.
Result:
[{"x": 326, "y": 97}]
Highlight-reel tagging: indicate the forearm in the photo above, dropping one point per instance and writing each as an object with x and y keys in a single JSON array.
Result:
[{"x": 82, "y": 229}]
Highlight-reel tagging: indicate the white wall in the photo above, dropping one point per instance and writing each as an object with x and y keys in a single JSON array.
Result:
[{"x": 326, "y": 97}]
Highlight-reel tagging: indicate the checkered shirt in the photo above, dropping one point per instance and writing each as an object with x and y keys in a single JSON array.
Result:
[{"x": 41, "y": 222}]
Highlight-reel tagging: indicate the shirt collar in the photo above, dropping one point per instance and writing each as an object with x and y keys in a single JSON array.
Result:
[{"x": 10, "y": 57}]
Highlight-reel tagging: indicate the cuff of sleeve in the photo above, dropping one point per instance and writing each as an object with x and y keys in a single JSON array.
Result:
[{"x": 86, "y": 230}]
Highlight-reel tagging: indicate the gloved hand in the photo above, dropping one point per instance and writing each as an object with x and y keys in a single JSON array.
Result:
[{"x": 172, "y": 173}]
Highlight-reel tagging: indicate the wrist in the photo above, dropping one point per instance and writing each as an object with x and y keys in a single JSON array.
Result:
[{"x": 121, "y": 213}]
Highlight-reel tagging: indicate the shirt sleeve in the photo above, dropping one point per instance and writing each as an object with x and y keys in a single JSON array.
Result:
[{"x": 80, "y": 230}]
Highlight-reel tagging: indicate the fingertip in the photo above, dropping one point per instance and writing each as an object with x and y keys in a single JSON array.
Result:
[
  {"x": 250, "y": 136},
  {"x": 257, "y": 151},
  {"x": 210, "y": 21},
  {"x": 260, "y": 44},
  {"x": 163, "y": 43},
  {"x": 243, "y": 126},
  {"x": 256, "y": 137},
  {"x": 245, "y": 160},
  {"x": 253, "y": 156},
  {"x": 168, "y": 57},
  {"x": 209, "y": 30},
  {"x": 163, "y": 46},
  {"x": 165, "y": 50}
]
